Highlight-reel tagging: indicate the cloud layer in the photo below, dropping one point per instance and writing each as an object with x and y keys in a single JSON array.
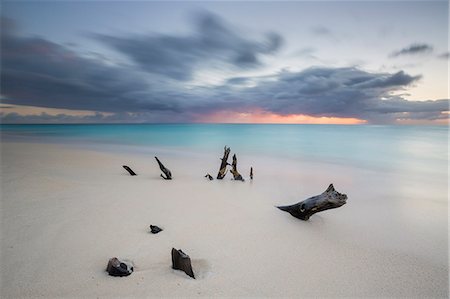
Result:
[
  {"x": 41, "y": 73},
  {"x": 413, "y": 49},
  {"x": 177, "y": 57}
]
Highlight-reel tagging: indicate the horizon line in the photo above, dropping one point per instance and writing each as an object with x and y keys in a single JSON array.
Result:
[{"x": 212, "y": 123}]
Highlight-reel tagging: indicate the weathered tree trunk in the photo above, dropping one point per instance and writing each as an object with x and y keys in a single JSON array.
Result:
[
  {"x": 223, "y": 165},
  {"x": 330, "y": 199},
  {"x": 164, "y": 170},
  {"x": 131, "y": 172},
  {"x": 209, "y": 177},
  {"x": 237, "y": 176},
  {"x": 182, "y": 261},
  {"x": 251, "y": 173},
  {"x": 116, "y": 267}
]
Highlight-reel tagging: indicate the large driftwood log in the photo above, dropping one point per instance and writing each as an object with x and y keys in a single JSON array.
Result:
[
  {"x": 182, "y": 261},
  {"x": 164, "y": 170},
  {"x": 237, "y": 176},
  {"x": 117, "y": 267},
  {"x": 223, "y": 165},
  {"x": 330, "y": 199},
  {"x": 131, "y": 172}
]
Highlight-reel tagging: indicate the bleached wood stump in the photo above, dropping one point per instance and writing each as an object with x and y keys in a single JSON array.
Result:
[
  {"x": 236, "y": 175},
  {"x": 224, "y": 163}
]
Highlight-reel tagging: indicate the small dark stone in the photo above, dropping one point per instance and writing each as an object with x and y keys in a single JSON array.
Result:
[
  {"x": 182, "y": 261},
  {"x": 155, "y": 229},
  {"x": 116, "y": 267},
  {"x": 209, "y": 177}
]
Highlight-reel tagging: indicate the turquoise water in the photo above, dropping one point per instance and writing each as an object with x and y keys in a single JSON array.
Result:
[{"x": 419, "y": 148}]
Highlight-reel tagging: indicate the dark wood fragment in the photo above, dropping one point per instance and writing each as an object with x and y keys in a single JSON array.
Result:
[
  {"x": 251, "y": 173},
  {"x": 168, "y": 174},
  {"x": 182, "y": 261},
  {"x": 236, "y": 175},
  {"x": 209, "y": 177},
  {"x": 224, "y": 163},
  {"x": 131, "y": 172}
]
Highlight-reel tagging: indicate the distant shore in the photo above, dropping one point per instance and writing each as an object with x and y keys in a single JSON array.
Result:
[{"x": 66, "y": 210}]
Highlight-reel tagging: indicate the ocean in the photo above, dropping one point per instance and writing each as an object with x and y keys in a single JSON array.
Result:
[{"x": 418, "y": 149}]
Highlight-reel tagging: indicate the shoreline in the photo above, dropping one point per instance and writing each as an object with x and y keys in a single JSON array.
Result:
[
  {"x": 66, "y": 211},
  {"x": 177, "y": 151}
]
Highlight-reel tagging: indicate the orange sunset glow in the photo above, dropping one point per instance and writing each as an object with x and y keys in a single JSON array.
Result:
[{"x": 262, "y": 117}]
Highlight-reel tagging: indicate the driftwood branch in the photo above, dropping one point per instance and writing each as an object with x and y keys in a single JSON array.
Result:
[
  {"x": 330, "y": 199},
  {"x": 131, "y": 172},
  {"x": 182, "y": 261},
  {"x": 164, "y": 170},
  {"x": 223, "y": 165},
  {"x": 237, "y": 176}
]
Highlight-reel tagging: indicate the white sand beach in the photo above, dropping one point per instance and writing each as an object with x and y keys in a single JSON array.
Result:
[{"x": 66, "y": 210}]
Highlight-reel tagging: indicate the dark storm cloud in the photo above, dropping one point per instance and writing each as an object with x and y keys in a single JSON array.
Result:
[
  {"x": 340, "y": 92},
  {"x": 214, "y": 43},
  {"x": 413, "y": 49},
  {"x": 386, "y": 81},
  {"x": 37, "y": 72}
]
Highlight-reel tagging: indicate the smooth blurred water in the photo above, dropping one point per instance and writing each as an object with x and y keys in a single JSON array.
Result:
[{"x": 421, "y": 149}]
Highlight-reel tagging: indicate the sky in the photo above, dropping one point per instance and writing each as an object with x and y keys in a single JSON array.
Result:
[{"x": 326, "y": 62}]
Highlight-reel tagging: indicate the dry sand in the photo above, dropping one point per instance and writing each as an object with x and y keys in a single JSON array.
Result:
[{"x": 66, "y": 210}]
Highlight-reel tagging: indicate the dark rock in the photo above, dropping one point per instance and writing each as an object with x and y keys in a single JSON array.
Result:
[
  {"x": 155, "y": 229},
  {"x": 117, "y": 267},
  {"x": 182, "y": 261},
  {"x": 209, "y": 177}
]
